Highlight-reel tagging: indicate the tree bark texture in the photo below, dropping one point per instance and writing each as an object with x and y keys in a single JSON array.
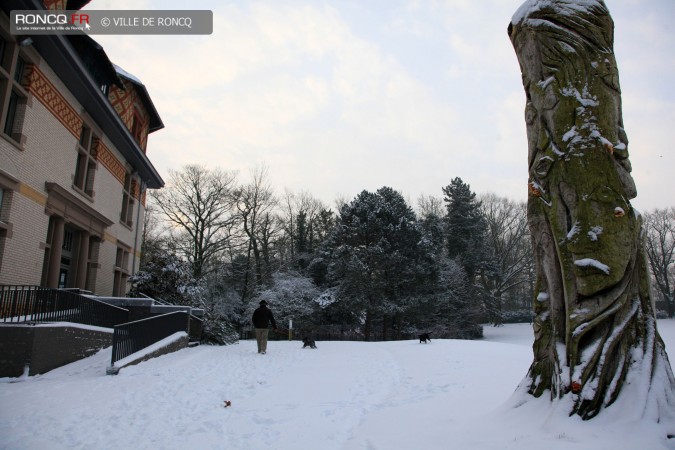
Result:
[{"x": 595, "y": 327}]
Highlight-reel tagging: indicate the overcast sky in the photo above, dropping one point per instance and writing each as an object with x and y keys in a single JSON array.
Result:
[{"x": 339, "y": 96}]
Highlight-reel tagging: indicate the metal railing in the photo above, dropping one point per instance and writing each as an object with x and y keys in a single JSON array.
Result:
[
  {"x": 20, "y": 304},
  {"x": 157, "y": 300},
  {"x": 128, "y": 338},
  {"x": 196, "y": 324},
  {"x": 196, "y": 328}
]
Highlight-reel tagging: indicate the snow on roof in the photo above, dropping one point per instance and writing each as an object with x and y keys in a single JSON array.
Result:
[
  {"x": 123, "y": 73},
  {"x": 156, "y": 121}
]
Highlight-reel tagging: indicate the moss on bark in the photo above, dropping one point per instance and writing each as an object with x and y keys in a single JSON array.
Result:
[{"x": 594, "y": 319}]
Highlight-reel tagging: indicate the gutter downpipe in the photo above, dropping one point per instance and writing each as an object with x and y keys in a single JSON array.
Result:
[{"x": 138, "y": 227}]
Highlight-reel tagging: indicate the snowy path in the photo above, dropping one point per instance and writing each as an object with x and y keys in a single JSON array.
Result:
[
  {"x": 345, "y": 395},
  {"x": 293, "y": 396}
]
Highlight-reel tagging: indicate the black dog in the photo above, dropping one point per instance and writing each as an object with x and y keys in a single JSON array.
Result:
[
  {"x": 308, "y": 343},
  {"x": 424, "y": 337}
]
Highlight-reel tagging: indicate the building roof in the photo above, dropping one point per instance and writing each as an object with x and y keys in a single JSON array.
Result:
[
  {"x": 85, "y": 84},
  {"x": 155, "y": 121},
  {"x": 95, "y": 60}
]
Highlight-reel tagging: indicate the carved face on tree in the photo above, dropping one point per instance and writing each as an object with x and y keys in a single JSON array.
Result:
[
  {"x": 578, "y": 155},
  {"x": 596, "y": 240},
  {"x": 592, "y": 299}
]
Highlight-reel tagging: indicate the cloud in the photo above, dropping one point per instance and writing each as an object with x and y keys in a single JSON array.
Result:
[
  {"x": 297, "y": 89},
  {"x": 337, "y": 97}
]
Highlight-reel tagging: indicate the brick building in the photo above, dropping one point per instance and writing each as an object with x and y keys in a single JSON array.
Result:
[{"x": 73, "y": 163}]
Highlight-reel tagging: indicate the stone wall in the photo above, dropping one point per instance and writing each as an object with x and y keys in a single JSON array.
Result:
[{"x": 44, "y": 347}]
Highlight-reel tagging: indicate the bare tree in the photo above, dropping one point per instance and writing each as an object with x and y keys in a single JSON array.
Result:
[
  {"x": 302, "y": 223},
  {"x": 255, "y": 202},
  {"x": 428, "y": 205},
  {"x": 151, "y": 237},
  {"x": 288, "y": 217},
  {"x": 269, "y": 230},
  {"x": 509, "y": 245},
  {"x": 660, "y": 245},
  {"x": 199, "y": 204}
]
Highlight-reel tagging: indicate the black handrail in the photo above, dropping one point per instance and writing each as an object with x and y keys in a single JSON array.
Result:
[
  {"x": 21, "y": 304},
  {"x": 128, "y": 338},
  {"x": 158, "y": 300},
  {"x": 196, "y": 324}
]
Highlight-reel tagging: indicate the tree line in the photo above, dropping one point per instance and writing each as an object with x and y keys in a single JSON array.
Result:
[{"x": 372, "y": 268}]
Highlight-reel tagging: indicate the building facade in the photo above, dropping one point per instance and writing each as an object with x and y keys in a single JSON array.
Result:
[{"x": 73, "y": 165}]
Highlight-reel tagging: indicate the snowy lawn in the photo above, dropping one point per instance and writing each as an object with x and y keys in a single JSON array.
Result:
[{"x": 344, "y": 395}]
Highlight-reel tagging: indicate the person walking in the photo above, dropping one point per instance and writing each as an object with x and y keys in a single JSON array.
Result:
[{"x": 262, "y": 317}]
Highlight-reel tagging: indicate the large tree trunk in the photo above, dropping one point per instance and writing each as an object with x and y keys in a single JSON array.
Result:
[{"x": 595, "y": 328}]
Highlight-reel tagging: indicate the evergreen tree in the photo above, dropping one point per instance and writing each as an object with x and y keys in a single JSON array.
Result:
[
  {"x": 164, "y": 276},
  {"x": 377, "y": 258},
  {"x": 457, "y": 313},
  {"x": 465, "y": 227},
  {"x": 323, "y": 225},
  {"x": 447, "y": 307},
  {"x": 301, "y": 241},
  {"x": 434, "y": 230}
]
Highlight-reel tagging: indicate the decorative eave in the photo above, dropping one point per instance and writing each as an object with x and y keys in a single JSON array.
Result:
[
  {"x": 155, "y": 121},
  {"x": 61, "y": 202},
  {"x": 64, "y": 60}
]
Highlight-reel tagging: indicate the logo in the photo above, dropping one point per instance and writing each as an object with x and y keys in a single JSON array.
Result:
[
  {"x": 37, "y": 22},
  {"x": 48, "y": 19}
]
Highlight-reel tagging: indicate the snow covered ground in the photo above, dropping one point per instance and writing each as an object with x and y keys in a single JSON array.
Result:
[{"x": 344, "y": 395}]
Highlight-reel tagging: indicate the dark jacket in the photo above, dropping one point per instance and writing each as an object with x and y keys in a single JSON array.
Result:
[{"x": 262, "y": 316}]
